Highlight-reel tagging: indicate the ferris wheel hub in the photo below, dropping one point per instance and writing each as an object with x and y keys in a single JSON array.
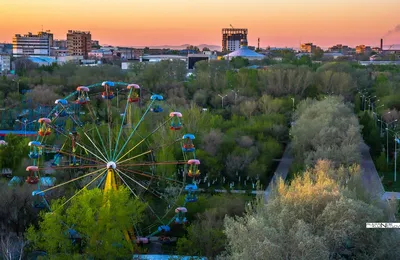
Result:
[{"x": 111, "y": 165}]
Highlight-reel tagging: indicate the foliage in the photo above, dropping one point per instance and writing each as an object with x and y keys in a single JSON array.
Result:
[
  {"x": 99, "y": 219},
  {"x": 12, "y": 154},
  {"x": 205, "y": 235},
  {"x": 317, "y": 218},
  {"x": 16, "y": 211},
  {"x": 326, "y": 129}
]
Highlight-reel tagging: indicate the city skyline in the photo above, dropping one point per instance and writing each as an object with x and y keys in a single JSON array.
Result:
[{"x": 287, "y": 23}]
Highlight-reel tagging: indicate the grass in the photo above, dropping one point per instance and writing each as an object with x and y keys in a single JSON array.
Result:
[{"x": 388, "y": 181}]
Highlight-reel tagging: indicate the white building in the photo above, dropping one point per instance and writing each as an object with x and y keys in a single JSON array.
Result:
[
  {"x": 5, "y": 63},
  {"x": 100, "y": 53},
  {"x": 158, "y": 58},
  {"x": 32, "y": 45}
]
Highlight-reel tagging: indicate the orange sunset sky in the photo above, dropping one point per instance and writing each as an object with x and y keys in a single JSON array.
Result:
[{"x": 174, "y": 22}]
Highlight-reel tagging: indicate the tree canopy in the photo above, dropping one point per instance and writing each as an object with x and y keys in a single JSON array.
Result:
[
  {"x": 96, "y": 218},
  {"x": 313, "y": 217}
]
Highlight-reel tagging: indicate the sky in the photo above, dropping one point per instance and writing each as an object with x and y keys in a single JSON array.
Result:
[{"x": 281, "y": 23}]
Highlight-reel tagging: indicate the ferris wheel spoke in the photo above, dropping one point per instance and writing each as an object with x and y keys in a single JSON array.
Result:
[
  {"x": 122, "y": 123},
  {"x": 126, "y": 184},
  {"x": 144, "y": 139},
  {"x": 79, "y": 191},
  {"x": 105, "y": 158},
  {"x": 90, "y": 108},
  {"x": 136, "y": 156},
  {"x": 70, "y": 181},
  {"x": 151, "y": 176},
  {"x": 82, "y": 166},
  {"x": 85, "y": 148},
  {"x": 132, "y": 179},
  {"x": 148, "y": 205},
  {"x": 153, "y": 163},
  {"x": 134, "y": 130},
  {"x": 81, "y": 157}
]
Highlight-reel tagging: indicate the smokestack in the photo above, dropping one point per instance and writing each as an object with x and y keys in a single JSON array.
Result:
[
  {"x": 258, "y": 43},
  {"x": 381, "y": 44}
]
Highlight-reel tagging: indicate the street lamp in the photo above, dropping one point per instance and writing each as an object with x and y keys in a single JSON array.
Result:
[
  {"x": 369, "y": 101},
  {"x": 25, "y": 123},
  {"x": 381, "y": 120},
  {"x": 222, "y": 99},
  {"x": 293, "y": 103},
  {"x": 387, "y": 138}
]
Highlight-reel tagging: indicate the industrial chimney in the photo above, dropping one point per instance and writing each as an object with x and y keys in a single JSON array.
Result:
[{"x": 381, "y": 44}]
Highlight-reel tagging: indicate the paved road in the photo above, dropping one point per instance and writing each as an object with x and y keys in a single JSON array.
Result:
[
  {"x": 370, "y": 176},
  {"x": 281, "y": 171}
]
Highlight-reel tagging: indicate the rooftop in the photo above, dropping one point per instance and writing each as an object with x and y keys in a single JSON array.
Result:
[{"x": 245, "y": 52}]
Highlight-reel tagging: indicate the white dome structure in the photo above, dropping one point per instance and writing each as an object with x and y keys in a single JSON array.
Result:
[{"x": 244, "y": 52}]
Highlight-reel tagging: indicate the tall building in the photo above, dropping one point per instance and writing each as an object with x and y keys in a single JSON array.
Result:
[
  {"x": 5, "y": 63},
  {"x": 231, "y": 38},
  {"x": 79, "y": 43},
  {"x": 32, "y": 45},
  {"x": 344, "y": 49},
  {"x": 362, "y": 49},
  {"x": 307, "y": 47},
  {"x": 62, "y": 44}
]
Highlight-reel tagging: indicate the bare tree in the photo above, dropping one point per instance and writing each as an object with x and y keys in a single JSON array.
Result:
[
  {"x": 43, "y": 95},
  {"x": 248, "y": 108},
  {"x": 11, "y": 246}
]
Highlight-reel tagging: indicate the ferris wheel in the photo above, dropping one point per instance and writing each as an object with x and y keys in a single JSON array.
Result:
[{"x": 87, "y": 142}]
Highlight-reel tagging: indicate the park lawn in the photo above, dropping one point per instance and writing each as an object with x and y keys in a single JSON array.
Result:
[{"x": 388, "y": 181}]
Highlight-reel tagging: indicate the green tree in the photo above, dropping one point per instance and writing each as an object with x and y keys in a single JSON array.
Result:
[
  {"x": 205, "y": 235},
  {"x": 326, "y": 129},
  {"x": 100, "y": 220},
  {"x": 315, "y": 217},
  {"x": 12, "y": 154}
]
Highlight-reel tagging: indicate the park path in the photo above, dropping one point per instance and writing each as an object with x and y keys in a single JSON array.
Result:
[
  {"x": 281, "y": 171},
  {"x": 369, "y": 174}
]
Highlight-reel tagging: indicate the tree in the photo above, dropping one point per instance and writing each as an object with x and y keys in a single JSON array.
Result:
[
  {"x": 17, "y": 211},
  {"x": 12, "y": 154},
  {"x": 326, "y": 129},
  {"x": 99, "y": 219},
  {"x": 239, "y": 62},
  {"x": 205, "y": 235},
  {"x": 317, "y": 54},
  {"x": 206, "y": 49},
  {"x": 315, "y": 217},
  {"x": 248, "y": 108},
  {"x": 43, "y": 95}
]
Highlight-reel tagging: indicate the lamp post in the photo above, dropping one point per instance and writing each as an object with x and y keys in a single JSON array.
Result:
[
  {"x": 222, "y": 99},
  {"x": 236, "y": 94},
  {"x": 293, "y": 104},
  {"x": 25, "y": 123},
  {"x": 369, "y": 101},
  {"x": 381, "y": 120},
  {"x": 396, "y": 140},
  {"x": 387, "y": 139},
  {"x": 117, "y": 99}
]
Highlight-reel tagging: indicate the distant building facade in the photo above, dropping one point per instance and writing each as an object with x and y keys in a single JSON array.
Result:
[
  {"x": 344, "y": 49},
  {"x": 5, "y": 63},
  {"x": 307, "y": 47},
  {"x": 32, "y": 45},
  {"x": 231, "y": 38},
  {"x": 362, "y": 49},
  {"x": 79, "y": 43},
  {"x": 62, "y": 44},
  {"x": 6, "y": 48}
]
